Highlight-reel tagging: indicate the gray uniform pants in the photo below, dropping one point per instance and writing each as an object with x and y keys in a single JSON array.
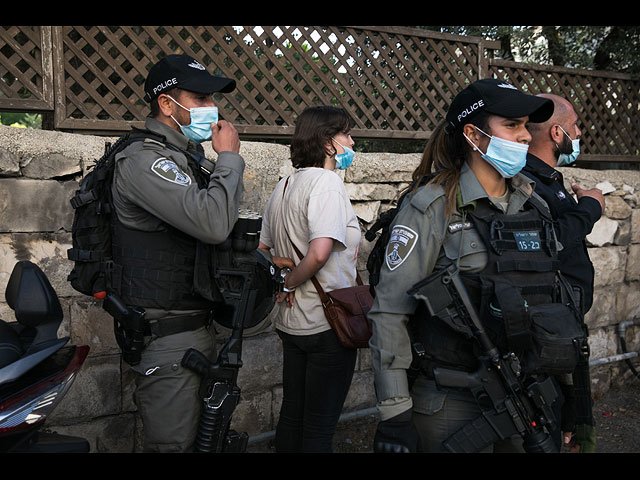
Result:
[{"x": 167, "y": 393}]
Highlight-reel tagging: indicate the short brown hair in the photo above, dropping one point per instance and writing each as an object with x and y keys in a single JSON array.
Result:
[
  {"x": 155, "y": 109},
  {"x": 315, "y": 127}
]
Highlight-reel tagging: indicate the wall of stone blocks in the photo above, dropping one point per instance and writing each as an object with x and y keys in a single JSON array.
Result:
[{"x": 40, "y": 170}]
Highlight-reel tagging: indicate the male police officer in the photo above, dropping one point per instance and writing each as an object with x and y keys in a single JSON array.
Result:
[
  {"x": 167, "y": 207},
  {"x": 556, "y": 143}
]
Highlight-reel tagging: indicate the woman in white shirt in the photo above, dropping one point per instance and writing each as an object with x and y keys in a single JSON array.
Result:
[{"x": 311, "y": 210}]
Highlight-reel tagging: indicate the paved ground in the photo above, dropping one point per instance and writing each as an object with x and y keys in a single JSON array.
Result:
[{"x": 617, "y": 418}]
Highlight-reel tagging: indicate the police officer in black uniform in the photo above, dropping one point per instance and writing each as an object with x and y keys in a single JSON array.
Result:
[
  {"x": 556, "y": 143},
  {"x": 167, "y": 208}
]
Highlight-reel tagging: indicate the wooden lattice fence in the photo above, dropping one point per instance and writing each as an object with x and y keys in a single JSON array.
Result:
[
  {"x": 396, "y": 82},
  {"x": 607, "y": 104}
]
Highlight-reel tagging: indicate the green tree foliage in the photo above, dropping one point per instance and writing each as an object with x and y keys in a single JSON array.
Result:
[
  {"x": 24, "y": 120},
  {"x": 590, "y": 47}
]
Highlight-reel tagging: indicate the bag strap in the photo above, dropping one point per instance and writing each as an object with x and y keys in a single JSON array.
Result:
[{"x": 324, "y": 298}]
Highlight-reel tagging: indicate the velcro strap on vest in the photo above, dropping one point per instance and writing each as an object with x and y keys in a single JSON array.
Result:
[
  {"x": 79, "y": 255},
  {"x": 547, "y": 290},
  {"x": 142, "y": 273},
  {"x": 527, "y": 266},
  {"x": 146, "y": 255},
  {"x": 135, "y": 294}
]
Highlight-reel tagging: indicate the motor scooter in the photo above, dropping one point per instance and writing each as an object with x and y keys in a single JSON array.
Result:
[{"x": 36, "y": 367}]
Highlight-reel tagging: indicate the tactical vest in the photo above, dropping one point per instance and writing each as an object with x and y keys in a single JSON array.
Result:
[
  {"x": 524, "y": 303},
  {"x": 154, "y": 269}
]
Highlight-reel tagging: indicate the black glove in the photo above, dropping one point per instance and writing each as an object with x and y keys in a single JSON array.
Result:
[{"x": 396, "y": 435}]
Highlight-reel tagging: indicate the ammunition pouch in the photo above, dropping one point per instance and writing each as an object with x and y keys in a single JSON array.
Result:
[{"x": 557, "y": 340}]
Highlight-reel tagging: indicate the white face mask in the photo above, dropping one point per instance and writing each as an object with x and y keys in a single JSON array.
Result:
[{"x": 507, "y": 157}]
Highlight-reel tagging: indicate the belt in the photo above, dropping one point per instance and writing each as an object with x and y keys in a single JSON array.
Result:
[{"x": 171, "y": 325}]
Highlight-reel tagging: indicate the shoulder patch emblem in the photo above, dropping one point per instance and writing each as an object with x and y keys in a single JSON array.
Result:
[
  {"x": 168, "y": 170},
  {"x": 401, "y": 243}
]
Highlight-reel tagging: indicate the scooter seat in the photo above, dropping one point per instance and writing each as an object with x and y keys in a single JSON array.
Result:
[{"x": 31, "y": 296}]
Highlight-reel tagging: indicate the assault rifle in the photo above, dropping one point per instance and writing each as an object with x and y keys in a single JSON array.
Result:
[
  {"x": 247, "y": 281},
  {"x": 510, "y": 403}
]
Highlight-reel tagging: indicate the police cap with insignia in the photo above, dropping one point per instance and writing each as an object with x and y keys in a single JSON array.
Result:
[
  {"x": 185, "y": 72},
  {"x": 498, "y": 98}
]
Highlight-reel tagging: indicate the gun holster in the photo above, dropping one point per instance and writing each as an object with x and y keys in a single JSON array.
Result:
[{"x": 128, "y": 327}]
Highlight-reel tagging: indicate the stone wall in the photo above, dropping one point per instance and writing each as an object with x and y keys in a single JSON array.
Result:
[{"x": 39, "y": 171}]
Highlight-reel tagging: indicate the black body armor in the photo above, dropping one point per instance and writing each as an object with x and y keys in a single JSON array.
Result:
[
  {"x": 155, "y": 269},
  {"x": 524, "y": 303}
]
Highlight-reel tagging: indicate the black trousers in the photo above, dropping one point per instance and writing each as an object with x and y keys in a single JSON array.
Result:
[{"x": 317, "y": 373}]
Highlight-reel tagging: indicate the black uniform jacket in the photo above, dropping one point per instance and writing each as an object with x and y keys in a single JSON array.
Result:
[{"x": 575, "y": 221}]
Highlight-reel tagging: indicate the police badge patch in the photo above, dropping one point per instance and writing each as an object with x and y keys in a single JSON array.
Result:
[
  {"x": 401, "y": 243},
  {"x": 168, "y": 170}
]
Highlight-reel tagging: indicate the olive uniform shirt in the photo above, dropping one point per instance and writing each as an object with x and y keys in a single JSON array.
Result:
[{"x": 422, "y": 239}]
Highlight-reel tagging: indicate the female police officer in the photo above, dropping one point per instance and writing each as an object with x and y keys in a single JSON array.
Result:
[{"x": 475, "y": 157}]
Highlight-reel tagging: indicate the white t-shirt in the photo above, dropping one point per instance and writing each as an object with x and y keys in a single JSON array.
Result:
[{"x": 315, "y": 205}]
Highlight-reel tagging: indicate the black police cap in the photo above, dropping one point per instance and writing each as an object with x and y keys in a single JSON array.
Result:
[
  {"x": 185, "y": 72},
  {"x": 499, "y": 98}
]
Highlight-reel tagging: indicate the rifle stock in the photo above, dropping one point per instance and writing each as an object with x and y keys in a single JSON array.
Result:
[{"x": 220, "y": 396}]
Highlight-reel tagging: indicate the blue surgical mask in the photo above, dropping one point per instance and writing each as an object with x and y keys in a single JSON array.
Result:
[
  {"x": 507, "y": 157},
  {"x": 569, "y": 158},
  {"x": 199, "y": 130},
  {"x": 344, "y": 160}
]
